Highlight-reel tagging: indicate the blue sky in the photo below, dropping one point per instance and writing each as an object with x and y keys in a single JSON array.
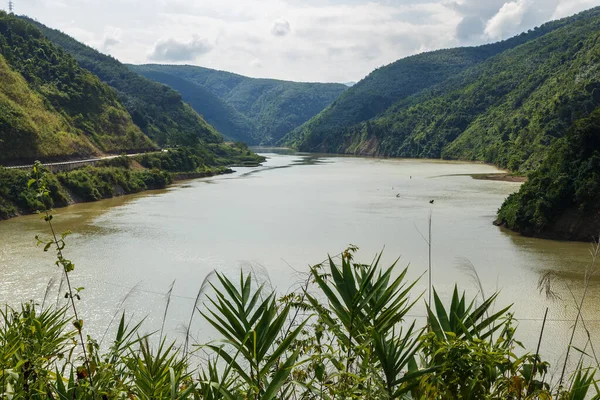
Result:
[{"x": 310, "y": 40}]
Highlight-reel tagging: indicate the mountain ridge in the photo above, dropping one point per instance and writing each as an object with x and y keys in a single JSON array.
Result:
[
  {"x": 272, "y": 106},
  {"x": 50, "y": 107}
]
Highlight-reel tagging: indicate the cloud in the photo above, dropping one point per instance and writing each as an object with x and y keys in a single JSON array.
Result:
[
  {"x": 110, "y": 41},
  {"x": 174, "y": 50},
  {"x": 112, "y": 37},
  {"x": 507, "y": 19},
  {"x": 570, "y": 7},
  {"x": 470, "y": 28},
  {"x": 256, "y": 63},
  {"x": 325, "y": 40},
  {"x": 281, "y": 27}
]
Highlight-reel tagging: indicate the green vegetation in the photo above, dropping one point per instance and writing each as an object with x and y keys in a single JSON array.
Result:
[
  {"x": 16, "y": 197},
  {"x": 51, "y": 108},
  {"x": 393, "y": 83},
  {"x": 512, "y": 109},
  {"x": 257, "y": 111},
  {"x": 85, "y": 184},
  {"x": 157, "y": 109},
  {"x": 117, "y": 176},
  {"x": 95, "y": 183},
  {"x": 346, "y": 334},
  {"x": 560, "y": 199},
  {"x": 215, "y": 111},
  {"x": 199, "y": 160}
]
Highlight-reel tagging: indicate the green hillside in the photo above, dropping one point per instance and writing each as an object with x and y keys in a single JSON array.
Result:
[
  {"x": 396, "y": 87},
  {"x": 515, "y": 109},
  {"x": 560, "y": 199},
  {"x": 506, "y": 110},
  {"x": 157, "y": 109},
  {"x": 215, "y": 111},
  {"x": 51, "y": 108},
  {"x": 273, "y": 107}
]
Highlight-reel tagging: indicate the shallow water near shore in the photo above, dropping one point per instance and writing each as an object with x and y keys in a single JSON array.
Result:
[{"x": 291, "y": 212}]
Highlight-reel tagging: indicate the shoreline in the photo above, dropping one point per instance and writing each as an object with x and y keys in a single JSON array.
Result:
[
  {"x": 119, "y": 192},
  {"x": 500, "y": 177}
]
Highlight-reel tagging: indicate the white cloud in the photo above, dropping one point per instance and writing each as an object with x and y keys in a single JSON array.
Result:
[
  {"x": 112, "y": 37},
  {"x": 281, "y": 27},
  {"x": 570, "y": 7},
  {"x": 174, "y": 50},
  {"x": 509, "y": 17},
  {"x": 325, "y": 40},
  {"x": 256, "y": 63}
]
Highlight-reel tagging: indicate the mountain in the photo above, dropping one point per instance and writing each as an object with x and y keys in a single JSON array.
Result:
[
  {"x": 560, "y": 199},
  {"x": 418, "y": 105},
  {"x": 157, "y": 109},
  {"x": 50, "y": 108},
  {"x": 273, "y": 107},
  {"x": 532, "y": 105},
  {"x": 231, "y": 123}
]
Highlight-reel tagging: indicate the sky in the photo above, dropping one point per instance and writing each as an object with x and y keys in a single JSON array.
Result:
[{"x": 308, "y": 40}]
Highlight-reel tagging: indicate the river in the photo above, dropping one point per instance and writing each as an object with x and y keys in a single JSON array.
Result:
[{"x": 291, "y": 212}]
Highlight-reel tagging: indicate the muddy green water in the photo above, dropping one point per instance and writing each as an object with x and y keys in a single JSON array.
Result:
[{"x": 291, "y": 212}]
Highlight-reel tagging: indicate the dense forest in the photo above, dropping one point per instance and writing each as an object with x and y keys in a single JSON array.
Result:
[
  {"x": 560, "y": 199},
  {"x": 512, "y": 109},
  {"x": 395, "y": 82},
  {"x": 231, "y": 123},
  {"x": 272, "y": 107},
  {"x": 157, "y": 109},
  {"x": 50, "y": 107}
]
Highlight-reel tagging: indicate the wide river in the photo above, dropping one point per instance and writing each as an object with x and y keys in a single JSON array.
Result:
[{"x": 291, "y": 212}]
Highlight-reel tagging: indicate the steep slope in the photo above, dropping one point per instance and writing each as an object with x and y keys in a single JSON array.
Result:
[
  {"x": 506, "y": 110},
  {"x": 157, "y": 109},
  {"x": 50, "y": 107},
  {"x": 215, "y": 111},
  {"x": 396, "y": 82},
  {"x": 274, "y": 107},
  {"x": 560, "y": 199}
]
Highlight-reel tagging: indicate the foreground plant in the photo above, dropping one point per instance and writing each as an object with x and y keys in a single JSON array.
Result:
[{"x": 345, "y": 334}]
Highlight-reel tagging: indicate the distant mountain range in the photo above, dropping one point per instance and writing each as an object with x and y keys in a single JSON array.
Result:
[{"x": 257, "y": 111}]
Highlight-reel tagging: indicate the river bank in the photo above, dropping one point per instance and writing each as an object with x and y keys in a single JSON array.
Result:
[
  {"x": 503, "y": 176},
  {"x": 87, "y": 184}
]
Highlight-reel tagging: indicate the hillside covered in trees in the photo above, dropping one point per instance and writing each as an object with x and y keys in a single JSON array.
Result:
[
  {"x": 50, "y": 107},
  {"x": 397, "y": 82},
  {"x": 510, "y": 109},
  {"x": 157, "y": 109},
  {"x": 260, "y": 111}
]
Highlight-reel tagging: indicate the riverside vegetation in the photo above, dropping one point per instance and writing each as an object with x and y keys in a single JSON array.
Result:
[
  {"x": 118, "y": 176},
  {"x": 511, "y": 103},
  {"x": 345, "y": 334},
  {"x": 53, "y": 107}
]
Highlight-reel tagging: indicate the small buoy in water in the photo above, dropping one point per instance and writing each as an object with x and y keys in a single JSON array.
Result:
[
  {"x": 398, "y": 195},
  {"x": 431, "y": 201}
]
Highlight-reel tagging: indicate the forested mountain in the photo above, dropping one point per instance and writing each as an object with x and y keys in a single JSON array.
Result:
[
  {"x": 50, "y": 107},
  {"x": 273, "y": 107},
  {"x": 419, "y": 105},
  {"x": 157, "y": 109},
  {"x": 560, "y": 199},
  {"x": 231, "y": 123}
]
